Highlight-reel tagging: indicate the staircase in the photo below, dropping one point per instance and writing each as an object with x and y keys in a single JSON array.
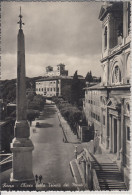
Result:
[{"x": 109, "y": 176}]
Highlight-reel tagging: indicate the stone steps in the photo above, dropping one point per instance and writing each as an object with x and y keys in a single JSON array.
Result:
[{"x": 109, "y": 176}]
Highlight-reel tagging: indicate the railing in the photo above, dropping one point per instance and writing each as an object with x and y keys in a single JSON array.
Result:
[
  {"x": 89, "y": 173},
  {"x": 6, "y": 163},
  {"x": 96, "y": 186}
]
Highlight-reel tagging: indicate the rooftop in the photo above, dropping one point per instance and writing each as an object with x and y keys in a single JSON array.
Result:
[
  {"x": 48, "y": 78},
  {"x": 100, "y": 86}
]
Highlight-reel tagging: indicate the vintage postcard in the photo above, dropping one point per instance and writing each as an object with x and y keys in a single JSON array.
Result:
[{"x": 65, "y": 96}]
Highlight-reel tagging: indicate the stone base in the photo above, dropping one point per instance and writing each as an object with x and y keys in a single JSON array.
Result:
[
  {"x": 22, "y": 161},
  {"x": 22, "y": 129}
]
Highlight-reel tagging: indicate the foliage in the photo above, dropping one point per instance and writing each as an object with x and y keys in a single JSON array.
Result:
[
  {"x": 89, "y": 77},
  {"x": 77, "y": 92},
  {"x": 70, "y": 112},
  {"x": 32, "y": 114},
  {"x": 8, "y": 88},
  {"x": 66, "y": 93},
  {"x": 36, "y": 103}
]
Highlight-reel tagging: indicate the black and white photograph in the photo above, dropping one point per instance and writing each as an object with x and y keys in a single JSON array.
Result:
[{"x": 65, "y": 90}]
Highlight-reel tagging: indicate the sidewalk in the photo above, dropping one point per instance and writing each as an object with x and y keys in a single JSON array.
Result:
[{"x": 68, "y": 134}]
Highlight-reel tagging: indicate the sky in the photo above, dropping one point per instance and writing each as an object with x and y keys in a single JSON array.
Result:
[{"x": 55, "y": 32}]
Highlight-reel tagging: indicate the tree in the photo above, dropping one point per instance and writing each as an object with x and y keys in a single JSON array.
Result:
[
  {"x": 75, "y": 89},
  {"x": 89, "y": 77},
  {"x": 66, "y": 93}
]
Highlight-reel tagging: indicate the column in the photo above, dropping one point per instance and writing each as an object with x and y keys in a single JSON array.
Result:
[
  {"x": 122, "y": 133},
  {"x": 110, "y": 137},
  {"x": 107, "y": 129},
  {"x": 118, "y": 139},
  {"x": 125, "y": 19}
]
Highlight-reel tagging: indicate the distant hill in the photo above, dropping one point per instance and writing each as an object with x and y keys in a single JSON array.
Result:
[{"x": 8, "y": 88}]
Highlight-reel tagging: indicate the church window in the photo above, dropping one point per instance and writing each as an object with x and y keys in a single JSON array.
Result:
[
  {"x": 103, "y": 120},
  {"x": 128, "y": 133},
  {"x": 116, "y": 75},
  {"x": 120, "y": 30},
  {"x": 105, "y": 38}
]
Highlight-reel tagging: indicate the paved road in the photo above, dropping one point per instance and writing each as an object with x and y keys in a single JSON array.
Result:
[{"x": 51, "y": 155}]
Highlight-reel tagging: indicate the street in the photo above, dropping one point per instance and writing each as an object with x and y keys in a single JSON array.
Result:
[{"x": 51, "y": 156}]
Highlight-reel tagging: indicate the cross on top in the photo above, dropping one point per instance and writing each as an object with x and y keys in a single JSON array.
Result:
[{"x": 20, "y": 21}]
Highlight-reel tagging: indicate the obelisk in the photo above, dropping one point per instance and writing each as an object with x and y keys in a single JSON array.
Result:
[{"x": 21, "y": 145}]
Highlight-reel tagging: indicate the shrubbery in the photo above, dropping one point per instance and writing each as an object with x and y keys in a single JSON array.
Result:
[
  {"x": 70, "y": 112},
  {"x": 32, "y": 114},
  {"x": 36, "y": 102}
]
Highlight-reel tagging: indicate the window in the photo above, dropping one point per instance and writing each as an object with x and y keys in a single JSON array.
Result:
[
  {"x": 120, "y": 30},
  {"x": 93, "y": 115},
  {"x": 128, "y": 133},
  {"x": 47, "y": 89},
  {"x": 54, "y": 89},
  {"x": 105, "y": 38},
  {"x": 103, "y": 120},
  {"x": 51, "y": 89},
  {"x": 42, "y": 89},
  {"x": 39, "y": 89},
  {"x": 116, "y": 75}
]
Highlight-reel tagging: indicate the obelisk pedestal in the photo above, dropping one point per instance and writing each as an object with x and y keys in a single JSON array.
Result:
[{"x": 21, "y": 145}]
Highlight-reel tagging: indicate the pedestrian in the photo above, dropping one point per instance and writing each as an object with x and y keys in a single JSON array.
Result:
[
  {"x": 40, "y": 178},
  {"x": 36, "y": 177}
]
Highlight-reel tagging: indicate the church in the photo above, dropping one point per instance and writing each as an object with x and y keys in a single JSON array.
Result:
[{"x": 107, "y": 105}]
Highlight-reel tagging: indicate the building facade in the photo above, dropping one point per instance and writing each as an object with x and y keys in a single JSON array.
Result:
[
  {"x": 53, "y": 86},
  {"x": 107, "y": 105},
  {"x": 56, "y": 82}
]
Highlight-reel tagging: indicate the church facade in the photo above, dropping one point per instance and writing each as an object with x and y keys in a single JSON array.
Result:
[{"x": 107, "y": 105}]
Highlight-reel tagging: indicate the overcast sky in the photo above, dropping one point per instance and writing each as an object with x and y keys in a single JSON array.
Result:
[{"x": 68, "y": 32}]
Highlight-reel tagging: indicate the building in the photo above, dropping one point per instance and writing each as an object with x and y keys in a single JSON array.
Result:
[
  {"x": 56, "y": 82},
  {"x": 53, "y": 86},
  {"x": 107, "y": 105},
  {"x": 59, "y": 70}
]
